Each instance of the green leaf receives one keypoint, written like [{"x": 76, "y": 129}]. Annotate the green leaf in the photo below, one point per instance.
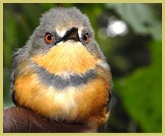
[{"x": 142, "y": 92}]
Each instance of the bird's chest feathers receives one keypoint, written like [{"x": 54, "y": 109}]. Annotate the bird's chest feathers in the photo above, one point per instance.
[
  {"x": 71, "y": 103},
  {"x": 45, "y": 99},
  {"x": 70, "y": 56},
  {"x": 73, "y": 100}
]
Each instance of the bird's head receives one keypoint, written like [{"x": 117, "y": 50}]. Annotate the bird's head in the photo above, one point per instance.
[{"x": 64, "y": 41}]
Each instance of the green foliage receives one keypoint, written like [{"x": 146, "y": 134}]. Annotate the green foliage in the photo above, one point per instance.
[
  {"x": 141, "y": 18},
  {"x": 141, "y": 92},
  {"x": 9, "y": 20}
]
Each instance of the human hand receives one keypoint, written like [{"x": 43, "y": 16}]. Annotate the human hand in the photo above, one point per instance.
[{"x": 23, "y": 120}]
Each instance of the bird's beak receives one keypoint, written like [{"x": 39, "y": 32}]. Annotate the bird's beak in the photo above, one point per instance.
[{"x": 71, "y": 34}]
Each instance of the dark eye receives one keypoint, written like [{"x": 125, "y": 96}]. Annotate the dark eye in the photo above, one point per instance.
[
  {"x": 85, "y": 38},
  {"x": 48, "y": 38}
]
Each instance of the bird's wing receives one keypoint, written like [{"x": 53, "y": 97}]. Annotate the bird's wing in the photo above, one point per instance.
[{"x": 13, "y": 76}]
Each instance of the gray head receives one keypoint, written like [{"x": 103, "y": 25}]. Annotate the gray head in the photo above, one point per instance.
[{"x": 62, "y": 25}]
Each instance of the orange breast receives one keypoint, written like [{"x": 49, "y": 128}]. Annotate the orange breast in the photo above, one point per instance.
[{"x": 85, "y": 104}]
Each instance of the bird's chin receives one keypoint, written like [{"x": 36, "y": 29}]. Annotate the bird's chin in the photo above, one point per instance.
[{"x": 67, "y": 56}]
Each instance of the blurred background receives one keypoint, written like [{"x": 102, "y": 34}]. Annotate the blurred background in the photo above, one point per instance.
[{"x": 130, "y": 35}]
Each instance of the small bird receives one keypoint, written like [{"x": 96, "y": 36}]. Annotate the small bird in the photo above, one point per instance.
[{"x": 61, "y": 72}]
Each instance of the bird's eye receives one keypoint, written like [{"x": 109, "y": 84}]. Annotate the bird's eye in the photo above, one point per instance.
[
  {"x": 85, "y": 38},
  {"x": 48, "y": 38}
]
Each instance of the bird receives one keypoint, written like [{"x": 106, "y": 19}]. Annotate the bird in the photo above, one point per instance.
[{"x": 61, "y": 72}]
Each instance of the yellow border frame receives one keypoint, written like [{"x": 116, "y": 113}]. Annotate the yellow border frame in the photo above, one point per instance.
[{"x": 74, "y": 1}]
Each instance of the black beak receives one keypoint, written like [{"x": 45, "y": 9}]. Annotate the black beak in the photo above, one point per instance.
[{"x": 71, "y": 34}]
